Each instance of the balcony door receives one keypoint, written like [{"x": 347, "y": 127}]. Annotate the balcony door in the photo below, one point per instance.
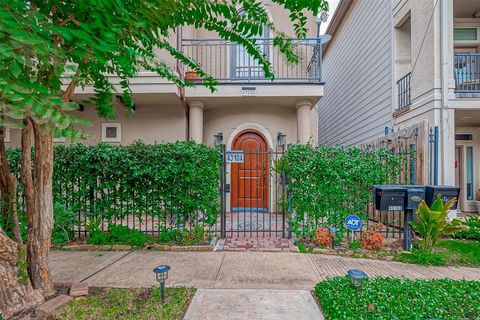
[{"x": 243, "y": 65}]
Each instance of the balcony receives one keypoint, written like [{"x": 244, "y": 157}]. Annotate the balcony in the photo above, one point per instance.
[
  {"x": 229, "y": 63},
  {"x": 404, "y": 92},
  {"x": 467, "y": 74}
]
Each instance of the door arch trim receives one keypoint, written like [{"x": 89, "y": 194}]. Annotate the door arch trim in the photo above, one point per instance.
[{"x": 250, "y": 126}]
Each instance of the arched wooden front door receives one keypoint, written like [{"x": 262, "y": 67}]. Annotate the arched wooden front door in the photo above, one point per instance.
[{"x": 250, "y": 179}]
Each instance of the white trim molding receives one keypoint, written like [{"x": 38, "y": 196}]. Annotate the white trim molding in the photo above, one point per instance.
[
  {"x": 252, "y": 126},
  {"x": 118, "y": 130}
]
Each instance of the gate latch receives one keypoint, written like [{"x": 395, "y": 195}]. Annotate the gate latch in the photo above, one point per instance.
[{"x": 227, "y": 187}]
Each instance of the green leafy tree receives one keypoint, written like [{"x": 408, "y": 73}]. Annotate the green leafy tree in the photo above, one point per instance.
[
  {"x": 49, "y": 48},
  {"x": 432, "y": 223}
]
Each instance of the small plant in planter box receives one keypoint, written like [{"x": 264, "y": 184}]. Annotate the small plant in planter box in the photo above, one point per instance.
[{"x": 373, "y": 239}]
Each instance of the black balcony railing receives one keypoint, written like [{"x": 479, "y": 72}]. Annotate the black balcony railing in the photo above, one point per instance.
[
  {"x": 467, "y": 72},
  {"x": 230, "y": 63},
  {"x": 404, "y": 92}
]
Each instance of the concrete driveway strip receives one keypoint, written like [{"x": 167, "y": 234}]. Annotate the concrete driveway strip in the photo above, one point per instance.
[
  {"x": 267, "y": 270},
  {"x": 190, "y": 269},
  {"x": 233, "y": 304},
  {"x": 71, "y": 267}
]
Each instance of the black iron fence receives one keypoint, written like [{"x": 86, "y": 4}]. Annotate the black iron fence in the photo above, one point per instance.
[
  {"x": 404, "y": 92},
  {"x": 467, "y": 72},
  {"x": 228, "y": 62}
]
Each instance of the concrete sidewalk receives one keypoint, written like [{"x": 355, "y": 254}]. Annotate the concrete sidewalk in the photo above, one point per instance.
[{"x": 228, "y": 270}]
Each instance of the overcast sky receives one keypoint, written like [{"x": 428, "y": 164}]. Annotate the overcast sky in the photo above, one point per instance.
[{"x": 333, "y": 5}]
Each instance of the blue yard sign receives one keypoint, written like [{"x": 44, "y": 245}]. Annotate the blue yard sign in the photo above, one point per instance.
[{"x": 353, "y": 222}]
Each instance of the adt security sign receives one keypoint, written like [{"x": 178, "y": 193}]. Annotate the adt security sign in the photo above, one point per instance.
[{"x": 353, "y": 222}]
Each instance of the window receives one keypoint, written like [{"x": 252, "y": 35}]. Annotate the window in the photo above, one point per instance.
[
  {"x": 111, "y": 132},
  {"x": 465, "y": 34},
  {"x": 463, "y": 137},
  {"x": 469, "y": 175}
]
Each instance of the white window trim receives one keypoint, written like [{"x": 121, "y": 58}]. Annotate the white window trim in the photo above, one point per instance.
[
  {"x": 464, "y": 25},
  {"x": 117, "y": 125}
]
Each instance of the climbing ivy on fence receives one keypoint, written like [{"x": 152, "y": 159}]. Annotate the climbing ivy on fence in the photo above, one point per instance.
[
  {"x": 327, "y": 183},
  {"x": 176, "y": 181}
]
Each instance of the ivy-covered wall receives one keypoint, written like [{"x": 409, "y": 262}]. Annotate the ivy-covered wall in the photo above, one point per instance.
[
  {"x": 327, "y": 183},
  {"x": 109, "y": 182}
]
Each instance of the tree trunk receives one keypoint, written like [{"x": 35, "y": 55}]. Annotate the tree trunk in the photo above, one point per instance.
[
  {"x": 37, "y": 186},
  {"x": 14, "y": 296},
  {"x": 8, "y": 189}
]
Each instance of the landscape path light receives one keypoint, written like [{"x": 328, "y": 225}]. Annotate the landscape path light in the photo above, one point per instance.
[
  {"x": 161, "y": 274},
  {"x": 356, "y": 277}
]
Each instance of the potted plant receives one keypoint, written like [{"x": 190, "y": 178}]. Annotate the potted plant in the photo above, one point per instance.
[
  {"x": 191, "y": 75},
  {"x": 477, "y": 200}
]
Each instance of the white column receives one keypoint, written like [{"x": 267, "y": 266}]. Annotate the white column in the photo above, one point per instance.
[
  {"x": 195, "y": 124},
  {"x": 304, "y": 133}
]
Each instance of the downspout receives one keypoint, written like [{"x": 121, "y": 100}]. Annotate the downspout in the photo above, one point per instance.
[
  {"x": 181, "y": 89},
  {"x": 444, "y": 56}
]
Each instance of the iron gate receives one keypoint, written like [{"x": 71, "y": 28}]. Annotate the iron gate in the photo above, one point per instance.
[{"x": 253, "y": 194}]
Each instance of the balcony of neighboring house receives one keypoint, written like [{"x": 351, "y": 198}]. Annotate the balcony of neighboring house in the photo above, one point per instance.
[
  {"x": 466, "y": 59},
  {"x": 404, "y": 93},
  {"x": 239, "y": 75}
]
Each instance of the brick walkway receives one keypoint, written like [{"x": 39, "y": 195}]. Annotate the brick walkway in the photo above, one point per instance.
[{"x": 256, "y": 245}]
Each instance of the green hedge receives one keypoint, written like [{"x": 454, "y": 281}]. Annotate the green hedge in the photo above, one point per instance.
[
  {"x": 389, "y": 298},
  {"x": 110, "y": 181},
  {"x": 327, "y": 183}
]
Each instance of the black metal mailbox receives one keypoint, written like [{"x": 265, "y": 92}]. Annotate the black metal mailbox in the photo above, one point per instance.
[
  {"x": 389, "y": 198},
  {"x": 446, "y": 192},
  {"x": 414, "y": 195}
]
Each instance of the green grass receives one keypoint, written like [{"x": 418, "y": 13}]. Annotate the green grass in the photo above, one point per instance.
[
  {"x": 389, "y": 298},
  {"x": 110, "y": 304},
  {"x": 447, "y": 252}
]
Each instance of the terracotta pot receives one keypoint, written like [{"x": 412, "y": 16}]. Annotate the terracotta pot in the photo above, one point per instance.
[{"x": 191, "y": 75}]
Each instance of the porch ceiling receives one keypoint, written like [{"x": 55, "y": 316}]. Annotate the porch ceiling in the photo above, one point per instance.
[
  {"x": 466, "y": 8},
  {"x": 467, "y": 118}
]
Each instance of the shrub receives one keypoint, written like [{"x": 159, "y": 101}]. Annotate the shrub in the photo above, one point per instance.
[
  {"x": 354, "y": 245},
  {"x": 109, "y": 182},
  {"x": 373, "y": 240},
  {"x": 64, "y": 220},
  {"x": 472, "y": 232},
  {"x": 389, "y": 298},
  {"x": 327, "y": 183},
  {"x": 323, "y": 238},
  {"x": 116, "y": 234},
  {"x": 432, "y": 224}
]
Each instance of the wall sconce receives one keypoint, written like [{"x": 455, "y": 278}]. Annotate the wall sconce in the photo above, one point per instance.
[
  {"x": 281, "y": 140},
  {"x": 218, "y": 139}
]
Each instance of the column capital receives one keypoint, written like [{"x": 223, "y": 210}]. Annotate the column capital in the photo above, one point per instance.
[
  {"x": 196, "y": 104},
  {"x": 304, "y": 102}
]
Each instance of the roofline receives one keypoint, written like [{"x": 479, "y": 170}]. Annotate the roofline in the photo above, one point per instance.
[{"x": 336, "y": 21}]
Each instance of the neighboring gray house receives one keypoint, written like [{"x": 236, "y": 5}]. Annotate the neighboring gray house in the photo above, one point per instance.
[
  {"x": 357, "y": 105},
  {"x": 398, "y": 64}
]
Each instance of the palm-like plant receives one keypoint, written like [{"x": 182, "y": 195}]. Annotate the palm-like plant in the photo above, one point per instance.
[{"x": 432, "y": 224}]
